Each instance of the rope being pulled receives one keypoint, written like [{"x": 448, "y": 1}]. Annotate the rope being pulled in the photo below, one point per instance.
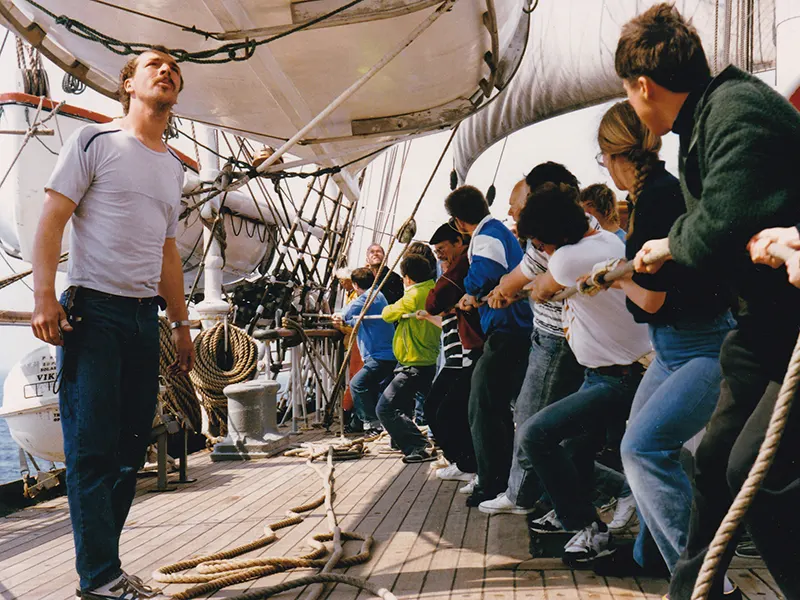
[
  {"x": 209, "y": 378},
  {"x": 215, "y": 571},
  {"x": 759, "y": 470}
]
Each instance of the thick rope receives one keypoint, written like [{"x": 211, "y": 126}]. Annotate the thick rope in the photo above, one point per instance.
[
  {"x": 210, "y": 379},
  {"x": 216, "y": 571},
  {"x": 759, "y": 470},
  {"x": 180, "y": 397}
]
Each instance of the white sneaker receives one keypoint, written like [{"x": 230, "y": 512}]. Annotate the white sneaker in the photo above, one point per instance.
[
  {"x": 502, "y": 504},
  {"x": 470, "y": 487},
  {"x": 625, "y": 517},
  {"x": 453, "y": 473},
  {"x": 586, "y": 545}
]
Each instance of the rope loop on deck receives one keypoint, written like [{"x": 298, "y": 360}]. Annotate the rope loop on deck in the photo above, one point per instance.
[{"x": 216, "y": 571}]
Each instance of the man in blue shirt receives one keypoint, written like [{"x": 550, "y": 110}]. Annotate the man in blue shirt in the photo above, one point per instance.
[
  {"x": 375, "y": 344},
  {"x": 496, "y": 380}
]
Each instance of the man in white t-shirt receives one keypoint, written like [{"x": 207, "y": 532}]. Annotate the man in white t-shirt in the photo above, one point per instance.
[
  {"x": 120, "y": 186},
  {"x": 608, "y": 342}
]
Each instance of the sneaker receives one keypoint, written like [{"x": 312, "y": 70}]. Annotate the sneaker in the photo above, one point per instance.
[
  {"x": 470, "y": 487},
  {"x": 419, "y": 455},
  {"x": 124, "y": 587},
  {"x": 502, "y": 504},
  {"x": 625, "y": 517},
  {"x": 548, "y": 524},
  {"x": 589, "y": 543},
  {"x": 453, "y": 473}
]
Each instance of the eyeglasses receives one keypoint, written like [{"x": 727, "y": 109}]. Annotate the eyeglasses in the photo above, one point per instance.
[{"x": 600, "y": 159}]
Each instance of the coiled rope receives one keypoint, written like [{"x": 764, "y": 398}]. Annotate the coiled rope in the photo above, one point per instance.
[
  {"x": 180, "y": 397},
  {"x": 209, "y": 378},
  {"x": 215, "y": 571}
]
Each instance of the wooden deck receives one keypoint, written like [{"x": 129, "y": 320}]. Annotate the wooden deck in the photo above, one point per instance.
[{"x": 429, "y": 545}]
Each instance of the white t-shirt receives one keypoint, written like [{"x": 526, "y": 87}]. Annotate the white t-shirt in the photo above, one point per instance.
[
  {"x": 599, "y": 329},
  {"x": 547, "y": 316},
  {"x": 128, "y": 200}
]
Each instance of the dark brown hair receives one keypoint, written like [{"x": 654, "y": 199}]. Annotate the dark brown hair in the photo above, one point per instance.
[
  {"x": 416, "y": 267},
  {"x": 663, "y": 46},
  {"x": 468, "y": 204},
  {"x": 129, "y": 70},
  {"x": 362, "y": 277},
  {"x": 552, "y": 215}
]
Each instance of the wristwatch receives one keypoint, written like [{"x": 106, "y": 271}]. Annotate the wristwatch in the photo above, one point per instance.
[{"x": 176, "y": 324}]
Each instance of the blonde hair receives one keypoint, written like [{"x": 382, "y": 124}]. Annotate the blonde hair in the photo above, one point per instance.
[
  {"x": 600, "y": 197},
  {"x": 621, "y": 132}
]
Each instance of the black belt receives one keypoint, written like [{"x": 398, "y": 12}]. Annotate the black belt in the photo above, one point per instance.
[
  {"x": 620, "y": 370},
  {"x": 148, "y": 301}
]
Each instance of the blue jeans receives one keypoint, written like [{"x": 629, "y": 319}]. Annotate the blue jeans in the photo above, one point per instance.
[
  {"x": 107, "y": 401},
  {"x": 673, "y": 403},
  {"x": 583, "y": 418},
  {"x": 366, "y": 387},
  {"x": 552, "y": 374},
  {"x": 397, "y": 403}
]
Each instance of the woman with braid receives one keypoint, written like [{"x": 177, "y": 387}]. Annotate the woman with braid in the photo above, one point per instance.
[{"x": 688, "y": 318}]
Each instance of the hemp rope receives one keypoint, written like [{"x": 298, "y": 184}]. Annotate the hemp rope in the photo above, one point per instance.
[
  {"x": 759, "y": 470},
  {"x": 215, "y": 571},
  {"x": 210, "y": 379},
  {"x": 180, "y": 396}
]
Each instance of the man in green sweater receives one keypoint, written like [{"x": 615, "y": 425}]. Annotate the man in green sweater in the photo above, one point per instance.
[
  {"x": 416, "y": 347},
  {"x": 739, "y": 154}
]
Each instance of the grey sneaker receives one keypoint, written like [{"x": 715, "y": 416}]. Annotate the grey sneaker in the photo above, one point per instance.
[{"x": 586, "y": 545}]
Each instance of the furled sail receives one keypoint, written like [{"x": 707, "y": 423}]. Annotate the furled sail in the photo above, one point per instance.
[{"x": 569, "y": 60}]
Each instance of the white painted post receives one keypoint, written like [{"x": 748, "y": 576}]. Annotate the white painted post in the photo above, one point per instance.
[{"x": 213, "y": 308}]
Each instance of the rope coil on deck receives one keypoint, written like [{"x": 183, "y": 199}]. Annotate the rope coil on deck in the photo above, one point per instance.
[
  {"x": 216, "y": 571},
  {"x": 210, "y": 379}
]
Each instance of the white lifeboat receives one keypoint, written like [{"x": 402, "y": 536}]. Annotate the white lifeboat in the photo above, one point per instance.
[{"x": 30, "y": 405}]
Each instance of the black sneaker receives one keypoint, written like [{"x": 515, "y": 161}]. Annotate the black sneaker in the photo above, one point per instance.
[
  {"x": 479, "y": 495},
  {"x": 622, "y": 564},
  {"x": 419, "y": 455}
]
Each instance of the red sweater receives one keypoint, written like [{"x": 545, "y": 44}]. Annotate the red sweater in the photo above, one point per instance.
[{"x": 445, "y": 295}]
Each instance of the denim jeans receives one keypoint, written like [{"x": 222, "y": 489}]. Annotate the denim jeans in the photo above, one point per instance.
[
  {"x": 583, "y": 418},
  {"x": 446, "y": 410},
  {"x": 496, "y": 382},
  {"x": 753, "y": 360},
  {"x": 673, "y": 403},
  {"x": 552, "y": 374},
  {"x": 397, "y": 403},
  {"x": 107, "y": 401},
  {"x": 366, "y": 387}
]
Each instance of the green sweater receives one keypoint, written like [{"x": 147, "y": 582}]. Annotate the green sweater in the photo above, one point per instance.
[
  {"x": 416, "y": 342},
  {"x": 739, "y": 164}
]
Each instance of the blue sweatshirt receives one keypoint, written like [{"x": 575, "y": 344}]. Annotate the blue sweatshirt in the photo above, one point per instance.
[
  {"x": 494, "y": 252},
  {"x": 375, "y": 335}
]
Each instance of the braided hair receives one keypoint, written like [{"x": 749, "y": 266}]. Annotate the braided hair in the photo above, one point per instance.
[{"x": 621, "y": 132}]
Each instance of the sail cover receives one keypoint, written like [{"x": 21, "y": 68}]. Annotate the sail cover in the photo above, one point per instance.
[{"x": 569, "y": 61}]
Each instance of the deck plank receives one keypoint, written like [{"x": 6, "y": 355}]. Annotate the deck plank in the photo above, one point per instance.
[{"x": 429, "y": 545}]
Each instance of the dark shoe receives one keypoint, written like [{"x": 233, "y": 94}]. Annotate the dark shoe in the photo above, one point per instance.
[
  {"x": 127, "y": 587},
  {"x": 375, "y": 431},
  {"x": 479, "y": 495},
  {"x": 622, "y": 564},
  {"x": 419, "y": 455}
]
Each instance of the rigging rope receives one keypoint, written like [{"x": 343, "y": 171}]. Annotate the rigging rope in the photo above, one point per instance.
[
  {"x": 230, "y": 52},
  {"x": 216, "y": 571},
  {"x": 7, "y": 281},
  {"x": 376, "y": 287},
  {"x": 209, "y": 378}
]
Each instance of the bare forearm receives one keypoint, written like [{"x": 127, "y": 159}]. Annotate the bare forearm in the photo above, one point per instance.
[
  {"x": 47, "y": 243},
  {"x": 171, "y": 286},
  {"x": 513, "y": 282},
  {"x": 647, "y": 300}
]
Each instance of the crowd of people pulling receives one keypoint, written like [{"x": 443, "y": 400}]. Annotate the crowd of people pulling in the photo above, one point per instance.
[{"x": 550, "y": 407}]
